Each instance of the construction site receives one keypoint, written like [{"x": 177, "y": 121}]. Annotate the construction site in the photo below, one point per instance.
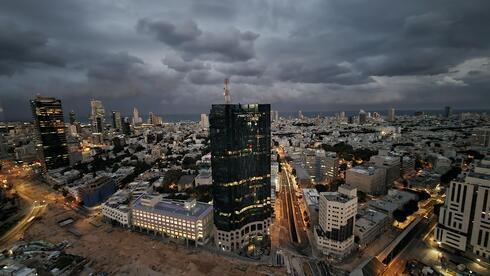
[{"x": 117, "y": 251}]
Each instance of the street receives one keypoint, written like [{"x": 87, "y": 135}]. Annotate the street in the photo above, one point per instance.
[{"x": 36, "y": 195}]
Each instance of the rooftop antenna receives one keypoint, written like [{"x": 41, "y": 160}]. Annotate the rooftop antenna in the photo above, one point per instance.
[{"x": 227, "y": 92}]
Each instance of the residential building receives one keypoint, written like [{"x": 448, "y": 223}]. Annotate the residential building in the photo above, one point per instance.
[
  {"x": 50, "y": 126},
  {"x": 188, "y": 220},
  {"x": 337, "y": 215},
  {"x": 241, "y": 168}
]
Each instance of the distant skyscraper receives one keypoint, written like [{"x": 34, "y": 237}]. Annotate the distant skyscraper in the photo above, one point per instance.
[
  {"x": 71, "y": 117},
  {"x": 351, "y": 120},
  {"x": 126, "y": 126},
  {"x": 275, "y": 115},
  {"x": 204, "y": 123},
  {"x": 2, "y": 112},
  {"x": 116, "y": 120},
  {"x": 154, "y": 119},
  {"x": 391, "y": 115},
  {"x": 50, "y": 126},
  {"x": 241, "y": 167},
  {"x": 136, "y": 117},
  {"x": 448, "y": 111},
  {"x": 362, "y": 117},
  {"x": 300, "y": 115},
  {"x": 97, "y": 116}
]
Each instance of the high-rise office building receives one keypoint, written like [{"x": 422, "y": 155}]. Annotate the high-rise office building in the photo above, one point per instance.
[
  {"x": 154, "y": 119},
  {"x": 49, "y": 122},
  {"x": 300, "y": 115},
  {"x": 275, "y": 115},
  {"x": 391, "y": 115},
  {"x": 136, "y": 117},
  {"x": 126, "y": 126},
  {"x": 116, "y": 120},
  {"x": 71, "y": 117},
  {"x": 337, "y": 214},
  {"x": 464, "y": 219},
  {"x": 448, "y": 111},
  {"x": 97, "y": 116},
  {"x": 362, "y": 117},
  {"x": 241, "y": 170}
]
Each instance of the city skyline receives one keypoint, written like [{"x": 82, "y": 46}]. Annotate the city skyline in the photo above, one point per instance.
[{"x": 172, "y": 58}]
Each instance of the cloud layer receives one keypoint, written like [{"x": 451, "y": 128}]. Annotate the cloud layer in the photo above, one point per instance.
[{"x": 172, "y": 57}]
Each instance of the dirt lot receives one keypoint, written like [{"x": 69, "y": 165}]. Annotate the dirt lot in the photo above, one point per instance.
[{"x": 121, "y": 252}]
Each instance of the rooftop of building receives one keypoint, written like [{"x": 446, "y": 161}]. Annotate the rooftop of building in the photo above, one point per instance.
[
  {"x": 186, "y": 179},
  {"x": 364, "y": 170},
  {"x": 204, "y": 174},
  {"x": 479, "y": 175},
  {"x": 311, "y": 196},
  {"x": 336, "y": 196},
  {"x": 97, "y": 183},
  {"x": 175, "y": 208},
  {"x": 371, "y": 215}
]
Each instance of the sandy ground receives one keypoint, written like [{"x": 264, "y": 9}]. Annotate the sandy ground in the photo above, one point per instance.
[{"x": 121, "y": 252}]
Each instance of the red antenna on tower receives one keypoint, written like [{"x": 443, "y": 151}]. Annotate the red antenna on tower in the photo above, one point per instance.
[{"x": 227, "y": 92}]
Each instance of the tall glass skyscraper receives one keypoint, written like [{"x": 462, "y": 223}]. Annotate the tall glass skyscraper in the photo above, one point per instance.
[
  {"x": 50, "y": 126},
  {"x": 241, "y": 169}
]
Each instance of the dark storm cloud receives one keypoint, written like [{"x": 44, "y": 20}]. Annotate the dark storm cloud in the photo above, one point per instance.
[
  {"x": 20, "y": 49},
  {"x": 168, "y": 56},
  {"x": 251, "y": 68},
  {"x": 329, "y": 73},
  {"x": 229, "y": 45},
  {"x": 176, "y": 63},
  {"x": 205, "y": 77},
  {"x": 117, "y": 67}
]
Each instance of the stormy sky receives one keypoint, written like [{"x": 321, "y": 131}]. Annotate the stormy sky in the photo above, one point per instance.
[{"x": 316, "y": 55}]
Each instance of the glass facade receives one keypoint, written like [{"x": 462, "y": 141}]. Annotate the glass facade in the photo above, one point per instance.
[
  {"x": 50, "y": 125},
  {"x": 241, "y": 164}
]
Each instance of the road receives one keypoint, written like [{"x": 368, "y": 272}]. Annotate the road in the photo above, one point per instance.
[
  {"x": 292, "y": 218},
  {"x": 292, "y": 234},
  {"x": 36, "y": 195},
  {"x": 13, "y": 235}
]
